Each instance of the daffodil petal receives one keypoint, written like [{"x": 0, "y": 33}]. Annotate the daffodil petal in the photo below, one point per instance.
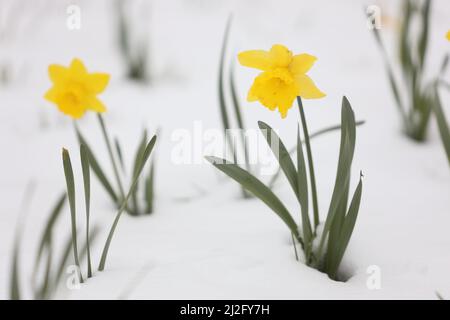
[
  {"x": 307, "y": 88},
  {"x": 96, "y": 105},
  {"x": 280, "y": 56},
  {"x": 448, "y": 35},
  {"x": 97, "y": 82},
  {"x": 301, "y": 63},
  {"x": 258, "y": 59}
]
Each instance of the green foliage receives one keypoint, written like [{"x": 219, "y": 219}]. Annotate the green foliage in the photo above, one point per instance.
[
  {"x": 49, "y": 264},
  {"x": 413, "y": 103},
  {"x": 143, "y": 155}
]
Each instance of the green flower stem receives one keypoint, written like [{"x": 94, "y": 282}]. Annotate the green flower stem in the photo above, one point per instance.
[
  {"x": 310, "y": 164},
  {"x": 111, "y": 156}
]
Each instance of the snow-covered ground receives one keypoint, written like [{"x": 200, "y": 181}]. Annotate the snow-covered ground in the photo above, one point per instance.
[{"x": 204, "y": 241}]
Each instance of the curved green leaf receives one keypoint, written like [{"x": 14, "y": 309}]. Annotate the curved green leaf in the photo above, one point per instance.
[
  {"x": 443, "y": 126},
  {"x": 98, "y": 171},
  {"x": 347, "y": 148},
  {"x": 346, "y": 232}
]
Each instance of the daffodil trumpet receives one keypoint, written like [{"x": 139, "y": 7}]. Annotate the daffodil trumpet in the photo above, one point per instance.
[{"x": 412, "y": 92}]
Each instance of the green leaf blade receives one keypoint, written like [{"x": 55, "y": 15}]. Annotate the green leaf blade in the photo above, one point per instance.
[
  {"x": 256, "y": 187},
  {"x": 96, "y": 168},
  {"x": 281, "y": 154},
  {"x": 70, "y": 183},
  {"x": 346, "y": 231}
]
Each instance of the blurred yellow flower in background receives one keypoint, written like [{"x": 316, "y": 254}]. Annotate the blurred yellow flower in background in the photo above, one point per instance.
[
  {"x": 448, "y": 35},
  {"x": 75, "y": 90},
  {"x": 283, "y": 77}
]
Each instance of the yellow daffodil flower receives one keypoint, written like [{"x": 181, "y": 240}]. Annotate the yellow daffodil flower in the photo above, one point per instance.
[
  {"x": 448, "y": 35},
  {"x": 283, "y": 77},
  {"x": 75, "y": 90}
]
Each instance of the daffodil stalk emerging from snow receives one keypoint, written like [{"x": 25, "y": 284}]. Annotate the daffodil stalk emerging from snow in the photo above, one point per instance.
[
  {"x": 74, "y": 90},
  {"x": 282, "y": 80}
]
